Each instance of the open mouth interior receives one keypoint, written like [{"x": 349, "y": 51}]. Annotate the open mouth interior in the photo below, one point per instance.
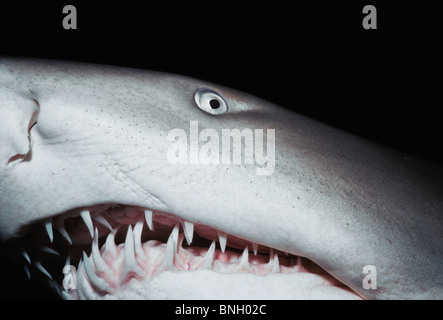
[{"x": 112, "y": 245}]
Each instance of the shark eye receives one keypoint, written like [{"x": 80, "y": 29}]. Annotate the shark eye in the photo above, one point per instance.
[{"x": 211, "y": 102}]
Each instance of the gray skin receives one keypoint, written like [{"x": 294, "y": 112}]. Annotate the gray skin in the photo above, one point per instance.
[{"x": 337, "y": 199}]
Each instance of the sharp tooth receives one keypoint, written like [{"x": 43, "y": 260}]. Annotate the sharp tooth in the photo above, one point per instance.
[
  {"x": 174, "y": 234},
  {"x": 110, "y": 246},
  {"x": 244, "y": 259},
  {"x": 48, "y": 227},
  {"x": 255, "y": 248},
  {"x": 39, "y": 266},
  {"x": 102, "y": 220},
  {"x": 96, "y": 281},
  {"x": 28, "y": 274},
  {"x": 168, "y": 260},
  {"x": 188, "y": 229},
  {"x": 60, "y": 225},
  {"x": 222, "y": 238},
  {"x": 54, "y": 285},
  {"x": 131, "y": 265},
  {"x": 100, "y": 263},
  {"x": 273, "y": 264},
  {"x": 68, "y": 260},
  {"x": 83, "y": 284},
  {"x": 299, "y": 266},
  {"x": 25, "y": 254},
  {"x": 209, "y": 258},
  {"x": 148, "y": 218},
  {"x": 86, "y": 216},
  {"x": 49, "y": 250},
  {"x": 273, "y": 261},
  {"x": 180, "y": 241},
  {"x": 138, "y": 229},
  {"x": 85, "y": 290},
  {"x": 129, "y": 246}
]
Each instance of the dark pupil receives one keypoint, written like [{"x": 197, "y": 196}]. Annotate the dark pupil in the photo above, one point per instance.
[{"x": 214, "y": 103}]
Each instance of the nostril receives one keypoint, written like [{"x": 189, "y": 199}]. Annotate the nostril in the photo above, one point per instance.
[
  {"x": 36, "y": 102},
  {"x": 27, "y": 156},
  {"x": 32, "y": 123},
  {"x": 18, "y": 157}
]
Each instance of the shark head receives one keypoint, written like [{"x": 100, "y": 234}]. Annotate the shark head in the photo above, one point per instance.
[{"x": 142, "y": 184}]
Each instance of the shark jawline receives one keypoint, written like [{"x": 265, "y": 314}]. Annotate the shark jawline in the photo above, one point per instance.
[{"x": 112, "y": 245}]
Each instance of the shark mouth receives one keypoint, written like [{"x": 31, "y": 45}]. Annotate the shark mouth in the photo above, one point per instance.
[{"x": 107, "y": 251}]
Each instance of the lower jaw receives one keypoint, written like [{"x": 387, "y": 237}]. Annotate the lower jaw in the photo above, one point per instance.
[{"x": 118, "y": 252}]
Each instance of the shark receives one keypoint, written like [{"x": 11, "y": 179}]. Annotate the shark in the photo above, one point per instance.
[{"x": 102, "y": 195}]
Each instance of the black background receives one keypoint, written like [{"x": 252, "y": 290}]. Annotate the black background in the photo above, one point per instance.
[{"x": 314, "y": 58}]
